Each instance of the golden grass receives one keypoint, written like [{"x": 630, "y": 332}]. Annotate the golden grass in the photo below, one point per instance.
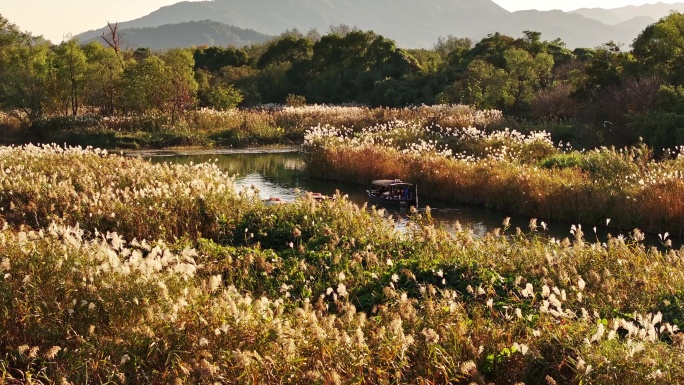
[
  {"x": 305, "y": 292},
  {"x": 516, "y": 173}
]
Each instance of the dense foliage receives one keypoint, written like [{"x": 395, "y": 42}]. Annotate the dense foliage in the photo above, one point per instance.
[{"x": 603, "y": 95}]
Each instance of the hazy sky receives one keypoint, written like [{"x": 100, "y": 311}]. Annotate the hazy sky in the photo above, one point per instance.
[{"x": 55, "y": 19}]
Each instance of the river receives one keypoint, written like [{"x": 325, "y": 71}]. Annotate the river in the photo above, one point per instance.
[{"x": 282, "y": 173}]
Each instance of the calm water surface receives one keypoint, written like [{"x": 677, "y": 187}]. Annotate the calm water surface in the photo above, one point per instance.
[{"x": 281, "y": 173}]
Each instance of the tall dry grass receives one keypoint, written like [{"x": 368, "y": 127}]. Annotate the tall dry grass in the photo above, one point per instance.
[
  {"x": 306, "y": 292},
  {"x": 267, "y": 125},
  {"x": 525, "y": 174}
]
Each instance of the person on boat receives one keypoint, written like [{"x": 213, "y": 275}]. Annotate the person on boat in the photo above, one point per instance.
[{"x": 407, "y": 193}]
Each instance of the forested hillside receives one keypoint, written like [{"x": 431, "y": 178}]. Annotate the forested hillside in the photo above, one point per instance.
[
  {"x": 592, "y": 96},
  {"x": 187, "y": 34}
]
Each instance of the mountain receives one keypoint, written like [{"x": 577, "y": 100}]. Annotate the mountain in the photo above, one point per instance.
[
  {"x": 186, "y": 34},
  {"x": 411, "y": 23},
  {"x": 575, "y": 30},
  {"x": 620, "y": 15},
  {"x": 638, "y": 23}
]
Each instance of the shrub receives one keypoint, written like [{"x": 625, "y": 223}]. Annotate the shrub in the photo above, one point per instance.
[
  {"x": 295, "y": 100},
  {"x": 661, "y": 130}
]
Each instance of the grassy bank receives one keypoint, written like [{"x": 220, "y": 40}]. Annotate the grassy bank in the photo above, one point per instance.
[
  {"x": 525, "y": 174},
  {"x": 276, "y": 125},
  {"x": 116, "y": 270}
]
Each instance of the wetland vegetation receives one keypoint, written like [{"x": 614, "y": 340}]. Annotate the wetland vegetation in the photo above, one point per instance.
[{"x": 118, "y": 270}]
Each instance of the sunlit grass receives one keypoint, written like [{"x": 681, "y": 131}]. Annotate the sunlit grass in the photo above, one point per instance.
[
  {"x": 178, "y": 278},
  {"x": 266, "y": 125},
  {"x": 525, "y": 174}
]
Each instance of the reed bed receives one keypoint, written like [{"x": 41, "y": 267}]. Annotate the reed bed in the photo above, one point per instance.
[
  {"x": 525, "y": 174},
  {"x": 267, "y": 125},
  {"x": 99, "y": 190},
  {"x": 200, "y": 283},
  {"x": 298, "y": 119}
]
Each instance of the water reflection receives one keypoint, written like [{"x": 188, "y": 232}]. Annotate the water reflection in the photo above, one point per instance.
[{"x": 281, "y": 174}]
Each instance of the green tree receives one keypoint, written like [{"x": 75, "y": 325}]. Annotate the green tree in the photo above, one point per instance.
[
  {"x": 244, "y": 80},
  {"x": 604, "y": 67},
  {"x": 671, "y": 99},
  {"x": 533, "y": 43},
  {"x": 214, "y": 58},
  {"x": 428, "y": 60},
  {"x": 213, "y": 92},
  {"x": 10, "y": 36},
  {"x": 392, "y": 93},
  {"x": 273, "y": 83},
  {"x": 103, "y": 78},
  {"x": 525, "y": 74},
  {"x": 288, "y": 49},
  {"x": 285, "y": 67},
  {"x": 71, "y": 65},
  {"x": 659, "y": 48},
  {"x": 27, "y": 81},
  {"x": 663, "y": 126},
  {"x": 347, "y": 67},
  {"x": 179, "y": 81},
  {"x": 142, "y": 85},
  {"x": 482, "y": 85},
  {"x": 165, "y": 83},
  {"x": 490, "y": 49},
  {"x": 450, "y": 45},
  {"x": 20, "y": 92},
  {"x": 140, "y": 53},
  {"x": 561, "y": 55}
]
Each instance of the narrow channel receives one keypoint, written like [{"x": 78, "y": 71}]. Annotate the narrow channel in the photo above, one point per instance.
[{"x": 281, "y": 174}]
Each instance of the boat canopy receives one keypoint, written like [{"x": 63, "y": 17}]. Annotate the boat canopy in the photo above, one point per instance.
[{"x": 390, "y": 183}]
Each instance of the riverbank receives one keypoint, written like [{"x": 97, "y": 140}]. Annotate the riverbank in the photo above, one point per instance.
[
  {"x": 185, "y": 151},
  {"x": 455, "y": 153},
  {"x": 235, "y": 128},
  {"x": 524, "y": 174},
  {"x": 116, "y": 269}
]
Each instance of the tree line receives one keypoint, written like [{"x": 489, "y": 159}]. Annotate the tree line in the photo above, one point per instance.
[{"x": 622, "y": 94}]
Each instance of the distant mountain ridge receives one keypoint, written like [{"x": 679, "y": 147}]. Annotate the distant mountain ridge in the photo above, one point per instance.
[
  {"x": 623, "y": 14},
  {"x": 411, "y": 23},
  {"x": 187, "y": 34}
]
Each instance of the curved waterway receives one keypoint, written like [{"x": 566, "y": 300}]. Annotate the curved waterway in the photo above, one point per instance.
[{"x": 281, "y": 174}]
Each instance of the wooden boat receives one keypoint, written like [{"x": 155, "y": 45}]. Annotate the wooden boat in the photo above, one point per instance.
[{"x": 394, "y": 192}]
